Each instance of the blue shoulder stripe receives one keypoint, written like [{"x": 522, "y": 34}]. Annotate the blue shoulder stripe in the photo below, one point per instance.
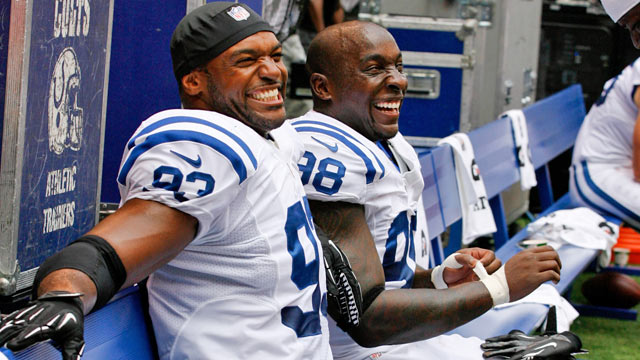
[
  {"x": 183, "y": 135},
  {"x": 312, "y": 122},
  {"x": 388, "y": 153},
  {"x": 371, "y": 170},
  {"x": 188, "y": 119}
]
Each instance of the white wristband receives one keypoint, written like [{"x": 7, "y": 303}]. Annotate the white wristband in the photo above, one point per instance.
[
  {"x": 437, "y": 274},
  {"x": 437, "y": 279},
  {"x": 496, "y": 283}
]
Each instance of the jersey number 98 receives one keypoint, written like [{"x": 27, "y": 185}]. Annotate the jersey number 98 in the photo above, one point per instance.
[{"x": 328, "y": 168}]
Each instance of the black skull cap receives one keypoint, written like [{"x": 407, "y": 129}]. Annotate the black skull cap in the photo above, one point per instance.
[{"x": 208, "y": 31}]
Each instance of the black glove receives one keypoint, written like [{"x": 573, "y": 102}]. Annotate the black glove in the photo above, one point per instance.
[
  {"x": 343, "y": 288},
  {"x": 520, "y": 346},
  {"x": 55, "y": 315}
]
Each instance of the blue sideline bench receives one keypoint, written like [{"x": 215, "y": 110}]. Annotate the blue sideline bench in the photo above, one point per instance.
[{"x": 553, "y": 124}]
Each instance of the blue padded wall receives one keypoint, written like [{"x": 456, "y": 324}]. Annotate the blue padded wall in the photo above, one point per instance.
[{"x": 141, "y": 80}]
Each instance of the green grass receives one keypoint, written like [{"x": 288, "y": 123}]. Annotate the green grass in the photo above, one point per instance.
[{"x": 607, "y": 339}]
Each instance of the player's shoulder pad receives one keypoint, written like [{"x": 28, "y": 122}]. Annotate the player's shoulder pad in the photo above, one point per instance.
[
  {"x": 325, "y": 137},
  {"x": 207, "y": 130}
]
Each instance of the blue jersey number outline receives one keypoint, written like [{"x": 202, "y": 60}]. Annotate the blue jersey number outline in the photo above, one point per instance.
[
  {"x": 303, "y": 274},
  {"x": 176, "y": 181},
  {"x": 323, "y": 172},
  {"x": 403, "y": 224}
]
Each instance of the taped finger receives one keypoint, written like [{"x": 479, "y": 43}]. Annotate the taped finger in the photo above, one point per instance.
[
  {"x": 464, "y": 259},
  {"x": 452, "y": 261}
]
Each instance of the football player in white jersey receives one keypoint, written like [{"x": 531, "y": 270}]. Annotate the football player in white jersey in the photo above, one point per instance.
[
  {"x": 605, "y": 174},
  {"x": 627, "y": 14},
  {"x": 212, "y": 207},
  {"x": 605, "y": 171},
  {"x": 363, "y": 181}
]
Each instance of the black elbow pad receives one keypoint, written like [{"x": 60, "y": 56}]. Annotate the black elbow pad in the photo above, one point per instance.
[{"x": 93, "y": 256}]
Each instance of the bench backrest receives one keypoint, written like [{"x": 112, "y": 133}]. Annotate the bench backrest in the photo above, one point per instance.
[{"x": 553, "y": 124}]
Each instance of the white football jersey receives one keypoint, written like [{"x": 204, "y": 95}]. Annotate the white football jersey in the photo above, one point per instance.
[
  {"x": 339, "y": 164},
  {"x": 251, "y": 284},
  {"x": 607, "y": 131}
]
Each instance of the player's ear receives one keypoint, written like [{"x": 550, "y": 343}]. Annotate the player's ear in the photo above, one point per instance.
[
  {"x": 320, "y": 86},
  {"x": 193, "y": 83}
]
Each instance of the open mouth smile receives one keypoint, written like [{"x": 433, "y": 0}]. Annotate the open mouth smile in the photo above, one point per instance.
[
  {"x": 266, "y": 96},
  {"x": 390, "y": 107}
]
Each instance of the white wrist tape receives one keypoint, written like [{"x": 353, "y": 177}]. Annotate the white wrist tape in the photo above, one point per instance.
[
  {"x": 437, "y": 274},
  {"x": 496, "y": 283}
]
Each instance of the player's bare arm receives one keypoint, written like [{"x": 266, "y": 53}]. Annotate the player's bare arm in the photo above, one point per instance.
[
  {"x": 395, "y": 316},
  {"x": 145, "y": 235},
  {"x": 408, "y": 315},
  {"x": 422, "y": 278}
]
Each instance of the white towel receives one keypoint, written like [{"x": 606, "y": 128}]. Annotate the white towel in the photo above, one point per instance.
[
  {"x": 548, "y": 295},
  {"x": 477, "y": 217},
  {"x": 579, "y": 227},
  {"x": 523, "y": 151}
]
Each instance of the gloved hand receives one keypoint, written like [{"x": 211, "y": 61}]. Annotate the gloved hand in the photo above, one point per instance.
[
  {"x": 343, "y": 288},
  {"x": 520, "y": 346},
  {"x": 55, "y": 315}
]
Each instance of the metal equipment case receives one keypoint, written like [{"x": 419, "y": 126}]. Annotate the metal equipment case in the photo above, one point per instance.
[
  {"x": 484, "y": 60},
  {"x": 463, "y": 73},
  {"x": 54, "y": 111}
]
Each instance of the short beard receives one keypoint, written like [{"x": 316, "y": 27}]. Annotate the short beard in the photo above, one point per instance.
[{"x": 239, "y": 112}]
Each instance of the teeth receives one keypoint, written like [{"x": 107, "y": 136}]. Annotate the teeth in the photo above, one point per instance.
[
  {"x": 389, "y": 105},
  {"x": 268, "y": 95}
]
